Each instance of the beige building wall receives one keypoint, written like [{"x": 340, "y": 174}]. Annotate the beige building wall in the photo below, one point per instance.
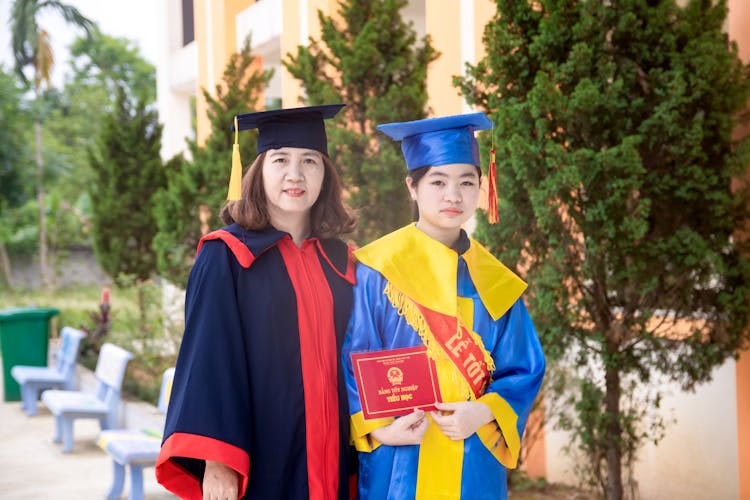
[
  {"x": 456, "y": 28},
  {"x": 743, "y": 424},
  {"x": 738, "y": 27},
  {"x": 296, "y": 32},
  {"x": 176, "y": 72},
  {"x": 215, "y": 35},
  {"x": 696, "y": 460},
  {"x": 443, "y": 22}
]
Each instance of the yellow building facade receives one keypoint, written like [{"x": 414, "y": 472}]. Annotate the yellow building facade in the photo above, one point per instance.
[{"x": 278, "y": 27}]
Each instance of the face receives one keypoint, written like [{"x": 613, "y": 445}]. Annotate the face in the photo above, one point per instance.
[
  {"x": 446, "y": 197},
  {"x": 292, "y": 179}
]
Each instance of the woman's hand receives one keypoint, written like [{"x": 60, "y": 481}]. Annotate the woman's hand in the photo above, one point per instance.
[
  {"x": 461, "y": 420},
  {"x": 219, "y": 482},
  {"x": 408, "y": 429}
]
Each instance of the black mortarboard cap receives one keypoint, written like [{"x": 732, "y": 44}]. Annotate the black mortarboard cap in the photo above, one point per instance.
[
  {"x": 294, "y": 128},
  {"x": 279, "y": 128}
]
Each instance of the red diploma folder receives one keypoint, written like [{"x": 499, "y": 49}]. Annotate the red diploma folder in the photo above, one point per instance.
[{"x": 395, "y": 382}]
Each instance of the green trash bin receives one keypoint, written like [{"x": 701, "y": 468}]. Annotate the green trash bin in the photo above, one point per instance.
[{"x": 24, "y": 336}]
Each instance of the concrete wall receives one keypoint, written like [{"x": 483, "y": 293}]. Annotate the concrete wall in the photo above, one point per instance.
[
  {"x": 696, "y": 460},
  {"x": 77, "y": 266},
  {"x": 698, "y": 457}
]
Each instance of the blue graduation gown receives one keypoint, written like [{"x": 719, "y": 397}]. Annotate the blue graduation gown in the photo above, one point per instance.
[
  {"x": 247, "y": 392},
  {"x": 410, "y": 261}
]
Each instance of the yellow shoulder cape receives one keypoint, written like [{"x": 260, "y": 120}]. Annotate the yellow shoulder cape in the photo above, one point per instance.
[{"x": 425, "y": 270}]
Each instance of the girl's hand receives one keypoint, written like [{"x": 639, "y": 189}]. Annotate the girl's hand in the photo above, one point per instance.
[
  {"x": 460, "y": 420},
  {"x": 408, "y": 429},
  {"x": 219, "y": 482}
]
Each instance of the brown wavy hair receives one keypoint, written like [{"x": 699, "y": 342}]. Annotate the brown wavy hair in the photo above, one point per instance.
[{"x": 330, "y": 216}]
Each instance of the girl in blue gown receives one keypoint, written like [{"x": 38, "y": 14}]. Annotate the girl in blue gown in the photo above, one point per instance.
[{"x": 429, "y": 284}]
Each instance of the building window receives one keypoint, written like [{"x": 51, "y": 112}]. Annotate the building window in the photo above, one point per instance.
[{"x": 188, "y": 23}]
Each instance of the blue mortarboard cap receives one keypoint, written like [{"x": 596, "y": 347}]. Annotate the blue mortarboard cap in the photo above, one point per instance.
[
  {"x": 439, "y": 141},
  {"x": 294, "y": 127}
]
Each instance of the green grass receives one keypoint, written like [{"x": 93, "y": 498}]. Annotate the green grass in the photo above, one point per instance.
[{"x": 141, "y": 334}]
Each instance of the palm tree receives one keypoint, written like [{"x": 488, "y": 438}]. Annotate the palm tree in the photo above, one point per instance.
[{"x": 32, "y": 49}]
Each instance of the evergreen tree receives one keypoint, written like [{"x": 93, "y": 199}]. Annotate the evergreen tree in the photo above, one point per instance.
[
  {"x": 16, "y": 186},
  {"x": 15, "y": 155},
  {"x": 99, "y": 66},
  {"x": 197, "y": 188},
  {"x": 381, "y": 79},
  {"x": 613, "y": 128},
  {"x": 127, "y": 172}
]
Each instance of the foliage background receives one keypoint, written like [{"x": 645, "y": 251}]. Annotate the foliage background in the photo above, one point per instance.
[{"x": 621, "y": 194}]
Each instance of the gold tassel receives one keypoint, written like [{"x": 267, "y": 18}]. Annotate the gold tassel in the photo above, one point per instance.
[
  {"x": 487, "y": 356},
  {"x": 235, "y": 179},
  {"x": 410, "y": 312}
]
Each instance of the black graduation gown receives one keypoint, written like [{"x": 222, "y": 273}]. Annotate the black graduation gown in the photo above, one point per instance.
[{"x": 258, "y": 384}]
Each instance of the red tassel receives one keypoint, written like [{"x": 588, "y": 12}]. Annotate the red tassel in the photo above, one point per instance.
[{"x": 492, "y": 215}]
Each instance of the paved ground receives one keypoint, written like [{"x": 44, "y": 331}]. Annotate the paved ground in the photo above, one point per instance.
[{"x": 33, "y": 467}]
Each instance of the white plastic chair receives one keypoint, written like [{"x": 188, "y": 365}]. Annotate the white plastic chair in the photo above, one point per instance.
[
  {"x": 103, "y": 405},
  {"x": 35, "y": 379},
  {"x": 135, "y": 449}
]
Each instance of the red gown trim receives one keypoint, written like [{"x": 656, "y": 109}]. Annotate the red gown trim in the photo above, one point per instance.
[
  {"x": 182, "y": 483},
  {"x": 243, "y": 254},
  {"x": 319, "y": 365}
]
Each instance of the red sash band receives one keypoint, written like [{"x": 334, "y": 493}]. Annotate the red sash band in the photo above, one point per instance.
[{"x": 460, "y": 346}]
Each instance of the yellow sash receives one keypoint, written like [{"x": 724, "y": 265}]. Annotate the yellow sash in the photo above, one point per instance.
[
  {"x": 425, "y": 270},
  {"x": 422, "y": 270}
]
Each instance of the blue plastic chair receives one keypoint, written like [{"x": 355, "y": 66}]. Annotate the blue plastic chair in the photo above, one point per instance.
[
  {"x": 135, "y": 449},
  {"x": 104, "y": 405},
  {"x": 35, "y": 379}
]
